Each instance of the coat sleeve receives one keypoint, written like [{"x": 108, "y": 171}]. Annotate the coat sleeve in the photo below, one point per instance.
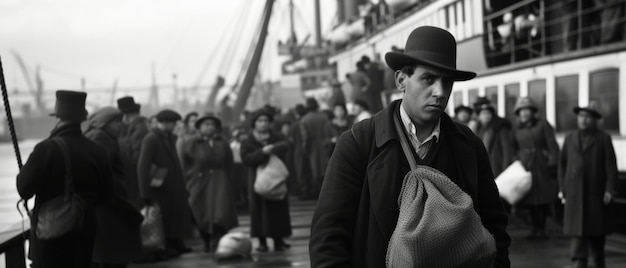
[
  {"x": 506, "y": 137},
  {"x": 490, "y": 208},
  {"x": 332, "y": 227},
  {"x": 610, "y": 164},
  {"x": 251, "y": 155},
  {"x": 562, "y": 171},
  {"x": 553, "y": 147},
  {"x": 29, "y": 180},
  {"x": 146, "y": 156}
]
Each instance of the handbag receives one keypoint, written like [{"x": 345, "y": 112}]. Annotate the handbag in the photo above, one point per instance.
[
  {"x": 514, "y": 182},
  {"x": 271, "y": 179},
  {"x": 152, "y": 234},
  {"x": 63, "y": 215},
  {"x": 437, "y": 224}
]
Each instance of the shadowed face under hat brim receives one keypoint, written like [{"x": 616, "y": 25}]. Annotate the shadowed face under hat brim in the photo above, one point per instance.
[
  {"x": 592, "y": 112},
  {"x": 217, "y": 121},
  {"x": 397, "y": 61}
]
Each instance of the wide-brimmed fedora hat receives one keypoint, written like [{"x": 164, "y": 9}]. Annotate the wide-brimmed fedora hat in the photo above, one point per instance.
[
  {"x": 429, "y": 46},
  {"x": 208, "y": 116},
  {"x": 592, "y": 108},
  {"x": 127, "y": 105},
  {"x": 523, "y": 103}
]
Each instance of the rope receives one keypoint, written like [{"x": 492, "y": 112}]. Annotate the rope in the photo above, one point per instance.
[{"x": 16, "y": 148}]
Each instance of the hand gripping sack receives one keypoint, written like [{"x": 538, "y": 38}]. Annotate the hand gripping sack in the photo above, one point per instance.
[
  {"x": 271, "y": 179},
  {"x": 152, "y": 235},
  {"x": 514, "y": 182},
  {"x": 63, "y": 215}
]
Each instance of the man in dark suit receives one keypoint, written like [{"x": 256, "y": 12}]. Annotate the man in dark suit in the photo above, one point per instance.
[
  {"x": 134, "y": 129},
  {"x": 43, "y": 176},
  {"x": 358, "y": 209}
]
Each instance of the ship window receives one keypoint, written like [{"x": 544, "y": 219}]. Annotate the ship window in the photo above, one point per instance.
[
  {"x": 457, "y": 98},
  {"x": 537, "y": 92},
  {"x": 511, "y": 94},
  {"x": 566, "y": 88},
  {"x": 446, "y": 10},
  {"x": 462, "y": 11},
  {"x": 472, "y": 95},
  {"x": 604, "y": 89},
  {"x": 492, "y": 94}
]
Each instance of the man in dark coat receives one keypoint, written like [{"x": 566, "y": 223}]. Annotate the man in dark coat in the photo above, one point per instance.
[
  {"x": 117, "y": 240},
  {"x": 587, "y": 177},
  {"x": 495, "y": 132},
  {"x": 43, "y": 175},
  {"x": 358, "y": 209},
  {"x": 313, "y": 143},
  {"x": 134, "y": 129},
  {"x": 376, "y": 74},
  {"x": 158, "y": 156}
]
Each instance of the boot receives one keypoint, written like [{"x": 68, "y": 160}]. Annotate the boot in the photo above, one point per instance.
[
  {"x": 262, "y": 245},
  {"x": 280, "y": 245}
]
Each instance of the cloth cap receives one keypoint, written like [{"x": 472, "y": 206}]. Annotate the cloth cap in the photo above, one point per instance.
[
  {"x": 168, "y": 116},
  {"x": 523, "y": 103},
  {"x": 127, "y": 105},
  {"x": 70, "y": 105},
  {"x": 103, "y": 117},
  {"x": 429, "y": 46}
]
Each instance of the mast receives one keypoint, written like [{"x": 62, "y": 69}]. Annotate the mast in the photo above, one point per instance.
[
  {"x": 246, "y": 85},
  {"x": 318, "y": 27}
]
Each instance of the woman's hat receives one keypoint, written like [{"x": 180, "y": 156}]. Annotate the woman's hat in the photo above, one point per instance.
[
  {"x": 168, "y": 116},
  {"x": 260, "y": 112},
  {"x": 486, "y": 106},
  {"x": 70, "y": 105},
  {"x": 523, "y": 103},
  {"x": 127, "y": 105},
  {"x": 592, "y": 108},
  {"x": 460, "y": 108},
  {"x": 429, "y": 46},
  {"x": 208, "y": 116}
]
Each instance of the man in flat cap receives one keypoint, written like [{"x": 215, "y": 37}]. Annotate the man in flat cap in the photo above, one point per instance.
[
  {"x": 587, "y": 177},
  {"x": 134, "y": 129},
  {"x": 161, "y": 182},
  {"x": 44, "y": 174},
  {"x": 370, "y": 214}
]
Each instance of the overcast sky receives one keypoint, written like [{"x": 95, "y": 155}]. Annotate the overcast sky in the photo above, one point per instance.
[{"x": 105, "y": 40}]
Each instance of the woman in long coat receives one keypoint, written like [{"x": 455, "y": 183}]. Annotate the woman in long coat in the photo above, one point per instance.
[
  {"x": 587, "y": 177},
  {"x": 495, "y": 132},
  {"x": 269, "y": 218},
  {"x": 117, "y": 238},
  {"x": 208, "y": 159},
  {"x": 337, "y": 125},
  {"x": 535, "y": 146},
  {"x": 158, "y": 152}
]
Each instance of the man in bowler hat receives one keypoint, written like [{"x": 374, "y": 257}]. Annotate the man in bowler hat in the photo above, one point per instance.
[
  {"x": 161, "y": 182},
  {"x": 358, "y": 209},
  {"x": 44, "y": 174},
  {"x": 134, "y": 129},
  {"x": 587, "y": 177}
]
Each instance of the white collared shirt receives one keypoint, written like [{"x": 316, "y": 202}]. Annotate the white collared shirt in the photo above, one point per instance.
[{"x": 421, "y": 148}]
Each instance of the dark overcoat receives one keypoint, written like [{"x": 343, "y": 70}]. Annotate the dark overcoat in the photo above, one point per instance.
[
  {"x": 268, "y": 218},
  {"x": 130, "y": 140},
  {"x": 313, "y": 141},
  {"x": 43, "y": 175},
  {"x": 496, "y": 137},
  {"x": 586, "y": 171},
  {"x": 207, "y": 173},
  {"x": 158, "y": 150},
  {"x": 357, "y": 210},
  {"x": 535, "y": 146},
  {"x": 117, "y": 237}
]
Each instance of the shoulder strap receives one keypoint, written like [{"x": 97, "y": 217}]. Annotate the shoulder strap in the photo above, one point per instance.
[
  {"x": 405, "y": 145},
  {"x": 69, "y": 185}
]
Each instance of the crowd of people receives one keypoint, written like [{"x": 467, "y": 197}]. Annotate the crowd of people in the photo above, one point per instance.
[{"x": 199, "y": 171}]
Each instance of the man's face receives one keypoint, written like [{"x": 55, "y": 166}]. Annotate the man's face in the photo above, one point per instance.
[
  {"x": 525, "y": 115},
  {"x": 426, "y": 93},
  {"x": 586, "y": 120},
  {"x": 463, "y": 116},
  {"x": 485, "y": 116},
  {"x": 167, "y": 126}
]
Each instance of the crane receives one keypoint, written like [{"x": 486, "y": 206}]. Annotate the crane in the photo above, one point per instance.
[{"x": 37, "y": 89}]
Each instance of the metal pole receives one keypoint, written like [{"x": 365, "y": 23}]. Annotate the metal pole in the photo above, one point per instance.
[{"x": 7, "y": 109}]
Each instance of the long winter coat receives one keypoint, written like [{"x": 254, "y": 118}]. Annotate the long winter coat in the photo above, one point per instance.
[
  {"x": 207, "y": 173},
  {"x": 117, "y": 238},
  {"x": 497, "y": 139},
  {"x": 158, "y": 150},
  {"x": 130, "y": 141},
  {"x": 357, "y": 210},
  {"x": 535, "y": 146},
  {"x": 313, "y": 142},
  {"x": 43, "y": 175},
  {"x": 268, "y": 218},
  {"x": 586, "y": 171}
]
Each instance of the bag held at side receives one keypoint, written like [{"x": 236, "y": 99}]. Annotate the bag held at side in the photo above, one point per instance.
[
  {"x": 271, "y": 179},
  {"x": 514, "y": 182},
  {"x": 152, "y": 235}
]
